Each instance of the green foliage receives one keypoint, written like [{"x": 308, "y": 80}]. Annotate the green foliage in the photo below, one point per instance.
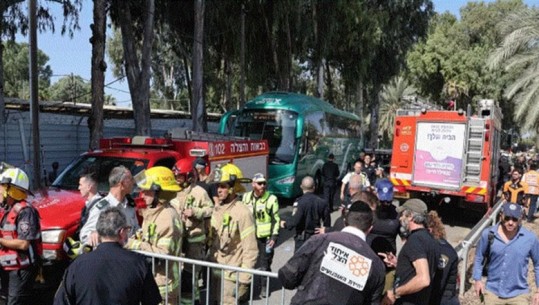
[
  {"x": 16, "y": 71},
  {"x": 71, "y": 89},
  {"x": 518, "y": 54},
  {"x": 392, "y": 98},
  {"x": 451, "y": 62}
]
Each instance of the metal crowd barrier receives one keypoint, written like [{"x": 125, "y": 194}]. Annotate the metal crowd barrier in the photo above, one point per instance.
[
  {"x": 471, "y": 239},
  {"x": 255, "y": 274}
]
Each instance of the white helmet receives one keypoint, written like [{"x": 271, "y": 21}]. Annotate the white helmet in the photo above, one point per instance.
[{"x": 18, "y": 179}]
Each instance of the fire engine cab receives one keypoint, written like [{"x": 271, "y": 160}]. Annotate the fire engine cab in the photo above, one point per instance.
[
  {"x": 447, "y": 154},
  {"x": 61, "y": 204}
]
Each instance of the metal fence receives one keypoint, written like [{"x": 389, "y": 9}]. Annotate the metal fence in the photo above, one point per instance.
[
  {"x": 471, "y": 239},
  {"x": 256, "y": 276}
]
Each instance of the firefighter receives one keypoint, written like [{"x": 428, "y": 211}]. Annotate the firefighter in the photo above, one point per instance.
[
  {"x": 161, "y": 228},
  {"x": 195, "y": 208},
  {"x": 515, "y": 190},
  {"x": 265, "y": 207},
  {"x": 20, "y": 241},
  {"x": 233, "y": 239}
]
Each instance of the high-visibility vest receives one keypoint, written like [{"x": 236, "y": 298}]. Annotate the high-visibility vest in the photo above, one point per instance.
[
  {"x": 266, "y": 222},
  {"x": 11, "y": 259}
]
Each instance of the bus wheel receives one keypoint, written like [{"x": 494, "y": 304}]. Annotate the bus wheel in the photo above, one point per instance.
[{"x": 319, "y": 188}]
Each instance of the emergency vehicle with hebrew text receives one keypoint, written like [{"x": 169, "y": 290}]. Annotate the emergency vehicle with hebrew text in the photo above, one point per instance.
[
  {"x": 449, "y": 155},
  {"x": 61, "y": 204}
]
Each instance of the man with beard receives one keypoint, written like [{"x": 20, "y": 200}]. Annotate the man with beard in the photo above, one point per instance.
[
  {"x": 417, "y": 260},
  {"x": 510, "y": 249}
]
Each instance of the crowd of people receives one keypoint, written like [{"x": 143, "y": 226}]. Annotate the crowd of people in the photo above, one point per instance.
[{"x": 209, "y": 216}]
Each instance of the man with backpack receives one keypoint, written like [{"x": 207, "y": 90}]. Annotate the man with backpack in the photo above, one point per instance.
[{"x": 510, "y": 248}]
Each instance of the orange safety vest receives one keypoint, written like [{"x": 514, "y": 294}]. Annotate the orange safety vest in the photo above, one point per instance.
[
  {"x": 11, "y": 259},
  {"x": 532, "y": 179}
]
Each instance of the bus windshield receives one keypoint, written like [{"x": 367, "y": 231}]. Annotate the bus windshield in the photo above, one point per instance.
[{"x": 278, "y": 127}]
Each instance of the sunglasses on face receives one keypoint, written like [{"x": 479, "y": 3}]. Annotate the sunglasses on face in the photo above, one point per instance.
[
  {"x": 261, "y": 183},
  {"x": 507, "y": 218}
]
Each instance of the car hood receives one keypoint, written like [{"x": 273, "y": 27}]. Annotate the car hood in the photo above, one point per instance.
[{"x": 58, "y": 208}]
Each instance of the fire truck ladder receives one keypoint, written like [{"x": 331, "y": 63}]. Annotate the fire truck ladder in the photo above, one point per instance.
[{"x": 472, "y": 170}]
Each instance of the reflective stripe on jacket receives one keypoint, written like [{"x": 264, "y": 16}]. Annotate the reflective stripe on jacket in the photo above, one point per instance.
[{"x": 266, "y": 213}]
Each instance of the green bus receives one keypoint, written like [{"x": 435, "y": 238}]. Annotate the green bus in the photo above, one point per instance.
[{"x": 301, "y": 132}]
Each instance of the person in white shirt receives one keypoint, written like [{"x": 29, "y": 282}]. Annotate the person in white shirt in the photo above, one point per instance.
[
  {"x": 88, "y": 191},
  {"x": 121, "y": 184}
]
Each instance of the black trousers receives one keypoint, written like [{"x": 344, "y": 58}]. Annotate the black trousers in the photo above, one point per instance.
[
  {"x": 329, "y": 195},
  {"x": 21, "y": 283}
]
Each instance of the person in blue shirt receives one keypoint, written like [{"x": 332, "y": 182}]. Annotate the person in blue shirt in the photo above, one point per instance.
[{"x": 510, "y": 252}]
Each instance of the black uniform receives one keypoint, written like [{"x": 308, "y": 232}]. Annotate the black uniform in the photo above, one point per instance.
[
  {"x": 311, "y": 211},
  {"x": 444, "y": 291},
  {"x": 330, "y": 173},
  {"x": 317, "y": 284},
  {"x": 420, "y": 244},
  {"x": 108, "y": 275}
]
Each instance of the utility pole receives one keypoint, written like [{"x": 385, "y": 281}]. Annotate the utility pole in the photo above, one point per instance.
[{"x": 34, "y": 102}]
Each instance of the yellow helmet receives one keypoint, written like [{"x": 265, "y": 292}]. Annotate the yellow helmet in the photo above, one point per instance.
[
  {"x": 18, "y": 183},
  {"x": 157, "y": 178},
  {"x": 231, "y": 174}
]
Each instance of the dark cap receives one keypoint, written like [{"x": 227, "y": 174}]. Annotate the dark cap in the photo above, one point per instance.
[
  {"x": 512, "y": 210},
  {"x": 331, "y": 156},
  {"x": 414, "y": 205},
  {"x": 359, "y": 206},
  {"x": 200, "y": 163}
]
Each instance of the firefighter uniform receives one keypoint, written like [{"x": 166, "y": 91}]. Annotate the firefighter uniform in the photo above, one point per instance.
[
  {"x": 515, "y": 191},
  {"x": 195, "y": 236},
  {"x": 532, "y": 179},
  {"x": 234, "y": 244},
  {"x": 20, "y": 222},
  {"x": 161, "y": 230}
]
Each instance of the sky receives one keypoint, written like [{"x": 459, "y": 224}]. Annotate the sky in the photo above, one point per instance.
[{"x": 67, "y": 56}]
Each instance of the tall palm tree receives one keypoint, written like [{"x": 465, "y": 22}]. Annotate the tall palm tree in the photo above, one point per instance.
[
  {"x": 520, "y": 49},
  {"x": 392, "y": 99}
]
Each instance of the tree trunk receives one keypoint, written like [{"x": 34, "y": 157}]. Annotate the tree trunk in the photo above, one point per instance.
[
  {"x": 138, "y": 77},
  {"x": 329, "y": 82},
  {"x": 227, "y": 104},
  {"x": 198, "y": 108},
  {"x": 375, "y": 109},
  {"x": 358, "y": 108},
  {"x": 273, "y": 46},
  {"x": 95, "y": 121},
  {"x": 2, "y": 101}
]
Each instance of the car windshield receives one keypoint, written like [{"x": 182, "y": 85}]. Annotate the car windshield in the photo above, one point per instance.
[{"x": 69, "y": 178}]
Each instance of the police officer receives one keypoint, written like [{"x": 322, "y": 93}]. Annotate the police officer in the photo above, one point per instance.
[
  {"x": 330, "y": 173},
  {"x": 311, "y": 212},
  {"x": 233, "y": 237},
  {"x": 265, "y": 207},
  {"x": 195, "y": 208},
  {"x": 318, "y": 268},
  {"x": 110, "y": 274},
  {"x": 20, "y": 241},
  {"x": 161, "y": 228},
  {"x": 121, "y": 185},
  {"x": 88, "y": 191}
]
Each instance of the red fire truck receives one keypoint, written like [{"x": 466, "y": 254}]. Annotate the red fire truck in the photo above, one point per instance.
[
  {"x": 447, "y": 155},
  {"x": 60, "y": 205}
]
